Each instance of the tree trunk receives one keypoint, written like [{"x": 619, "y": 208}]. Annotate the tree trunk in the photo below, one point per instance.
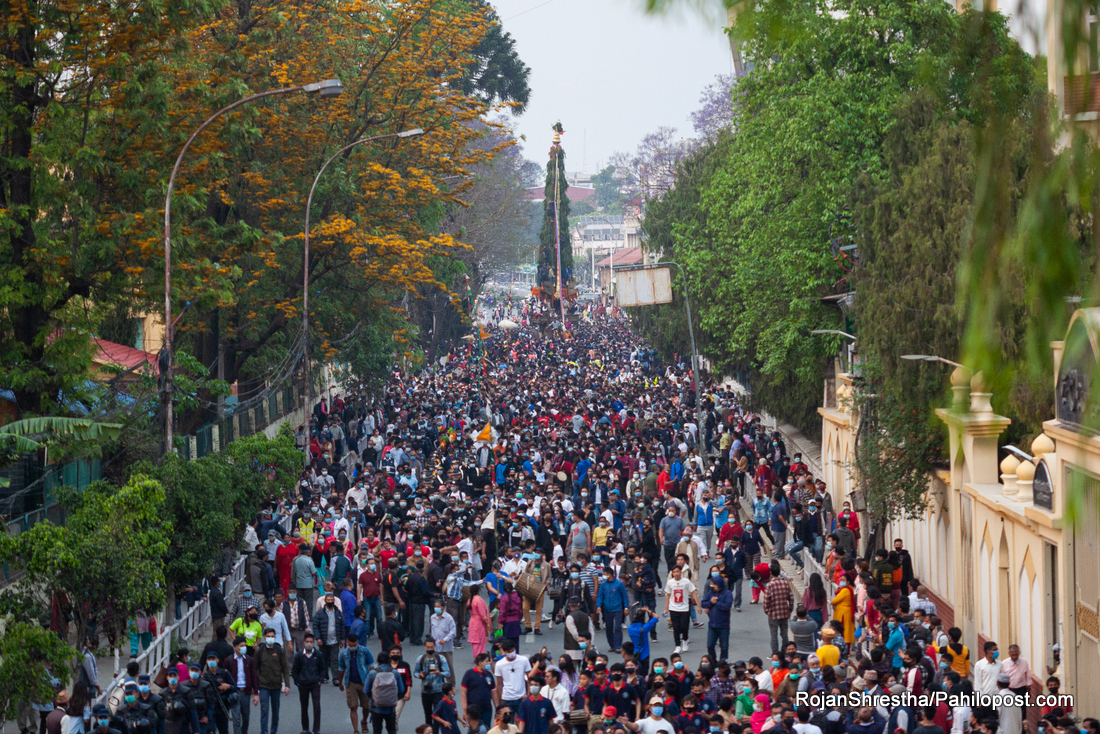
[{"x": 170, "y": 606}]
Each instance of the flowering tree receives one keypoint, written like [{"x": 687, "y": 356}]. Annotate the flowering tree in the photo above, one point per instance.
[{"x": 716, "y": 111}]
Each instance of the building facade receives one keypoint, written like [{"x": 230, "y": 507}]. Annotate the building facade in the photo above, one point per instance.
[{"x": 1009, "y": 541}]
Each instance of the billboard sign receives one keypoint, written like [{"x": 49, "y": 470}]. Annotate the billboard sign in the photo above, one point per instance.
[{"x": 643, "y": 286}]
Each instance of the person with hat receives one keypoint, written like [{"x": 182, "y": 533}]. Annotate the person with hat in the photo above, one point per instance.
[
  {"x": 247, "y": 600},
  {"x": 655, "y": 723},
  {"x": 200, "y": 695},
  {"x": 138, "y": 715},
  {"x": 104, "y": 723},
  {"x": 177, "y": 707},
  {"x": 222, "y": 693}
]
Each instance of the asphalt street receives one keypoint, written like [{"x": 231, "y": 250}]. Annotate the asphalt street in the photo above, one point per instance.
[{"x": 748, "y": 637}]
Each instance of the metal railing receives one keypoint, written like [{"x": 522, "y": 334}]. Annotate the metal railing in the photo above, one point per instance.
[{"x": 157, "y": 655}]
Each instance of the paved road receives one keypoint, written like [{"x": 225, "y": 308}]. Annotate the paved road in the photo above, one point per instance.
[{"x": 748, "y": 637}]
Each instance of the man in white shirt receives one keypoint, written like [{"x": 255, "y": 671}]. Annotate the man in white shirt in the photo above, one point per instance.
[
  {"x": 511, "y": 672},
  {"x": 359, "y": 494},
  {"x": 987, "y": 669},
  {"x": 558, "y": 695}
]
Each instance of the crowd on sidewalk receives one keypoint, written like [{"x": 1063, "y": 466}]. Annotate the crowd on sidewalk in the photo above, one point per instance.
[{"x": 536, "y": 481}]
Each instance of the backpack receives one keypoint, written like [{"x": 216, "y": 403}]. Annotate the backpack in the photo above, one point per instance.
[{"x": 383, "y": 691}]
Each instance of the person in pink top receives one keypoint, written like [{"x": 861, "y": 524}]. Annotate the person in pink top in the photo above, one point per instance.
[{"x": 478, "y": 629}]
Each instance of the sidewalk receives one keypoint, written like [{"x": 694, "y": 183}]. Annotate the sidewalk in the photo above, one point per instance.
[
  {"x": 105, "y": 657},
  {"x": 799, "y": 578}
]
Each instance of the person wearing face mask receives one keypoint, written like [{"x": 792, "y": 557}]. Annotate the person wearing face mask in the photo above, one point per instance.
[
  {"x": 297, "y": 618},
  {"x": 309, "y": 672},
  {"x": 304, "y": 575},
  {"x": 622, "y": 695},
  {"x": 177, "y": 706},
  {"x": 328, "y": 630},
  {"x": 272, "y": 677},
  {"x": 248, "y": 627},
  {"x": 433, "y": 670},
  {"x": 219, "y": 691},
  {"x": 370, "y": 592},
  {"x": 511, "y": 677},
  {"x": 987, "y": 669},
  {"x": 443, "y": 631},
  {"x": 612, "y": 602},
  {"x": 135, "y": 713},
  {"x": 535, "y": 712},
  {"x": 717, "y": 601},
  {"x": 104, "y": 723},
  {"x": 670, "y": 532},
  {"x": 655, "y": 723}
]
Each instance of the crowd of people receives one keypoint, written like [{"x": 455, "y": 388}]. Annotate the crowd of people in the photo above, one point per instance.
[{"x": 535, "y": 481}]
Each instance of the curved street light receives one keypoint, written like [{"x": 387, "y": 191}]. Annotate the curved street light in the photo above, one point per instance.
[
  {"x": 838, "y": 332},
  {"x": 929, "y": 358},
  {"x": 306, "y": 415},
  {"x": 325, "y": 89}
]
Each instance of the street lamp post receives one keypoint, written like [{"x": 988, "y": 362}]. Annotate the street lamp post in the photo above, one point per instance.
[
  {"x": 838, "y": 332},
  {"x": 844, "y": 334},
  {"x": 929, "y": 358},
  {"x": 306, "y": 413},
  {"x": 324, "y": 89}
]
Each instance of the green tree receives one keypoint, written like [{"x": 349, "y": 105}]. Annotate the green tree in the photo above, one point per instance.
[
  {"x": 108, "y": 558},
  {"x": 497, "y": 74},
  {"x": 29, "y": 657},
  {"x": 608, "y": 196},
  {"x": 199, "y": 501},
  {"x": 58, "y": 250},
  {"x": 556, "y": 182}
]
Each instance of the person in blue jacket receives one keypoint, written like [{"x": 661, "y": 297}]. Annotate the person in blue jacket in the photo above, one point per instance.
[
  {"x": 735, "y": 558},
  {"x": 717, "y": 601},
  {"x": 645, "y": 621},
  {"x": 612, "y": 602}
]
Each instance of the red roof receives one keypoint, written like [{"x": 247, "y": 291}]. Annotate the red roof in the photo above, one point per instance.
[
  {"x": 573, "y": 193},
  {"x": 121, "y": 355},
  {"x": 629, "y": 256}
]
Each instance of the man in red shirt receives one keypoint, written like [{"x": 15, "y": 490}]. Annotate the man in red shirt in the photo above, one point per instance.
[
  {"x": 370, "y": 592},
  {"x": 663, "y": 480}
]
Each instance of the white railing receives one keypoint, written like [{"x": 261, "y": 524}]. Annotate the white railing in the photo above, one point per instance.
[{"x": 157, "y": 655}]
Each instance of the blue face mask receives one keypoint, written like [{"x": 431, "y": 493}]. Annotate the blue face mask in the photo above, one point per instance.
[
  {"x": 574, "y": 575},
  {"x": 715, "y": 575},
  {"x": 658, "y": 710},
  {"x": 892, "y": 625},
  {"x": 582, "y": 645},
  {"x": 996, "y": 654},
  {"x": 143, "y": 688},
  {"x": 775, "y": 663},
  {"x": 943, "y": 665}
]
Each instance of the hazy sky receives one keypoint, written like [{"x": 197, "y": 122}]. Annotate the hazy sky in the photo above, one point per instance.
[{"x": 606, "y": 69}]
